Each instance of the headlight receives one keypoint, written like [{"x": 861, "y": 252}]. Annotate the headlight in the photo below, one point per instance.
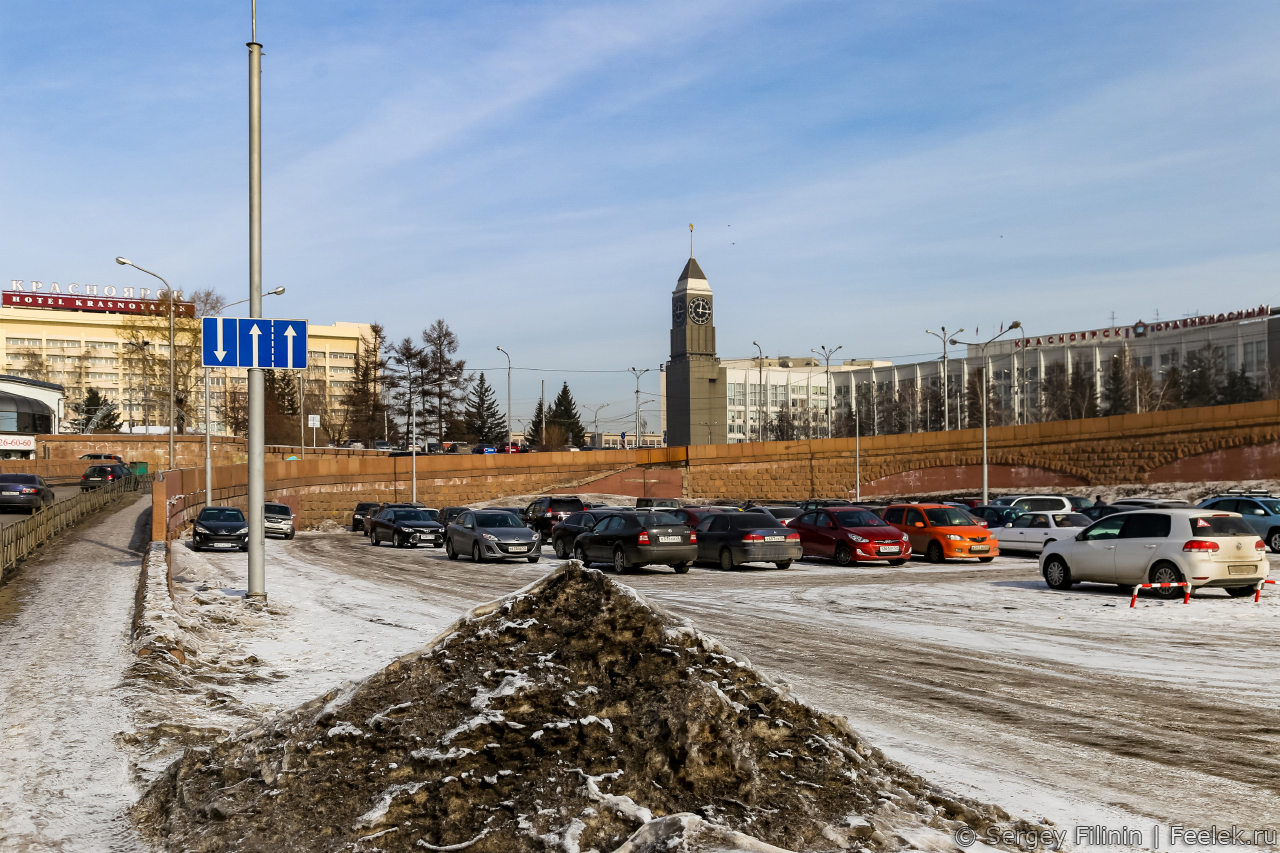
[
  {"x": 955, "y": 538},
  {"x": 242, "y": 530},
  {"x": 490, "y": 537},
  {"x": 200, "y": 529},
  {"x": 856, "y": 538}
]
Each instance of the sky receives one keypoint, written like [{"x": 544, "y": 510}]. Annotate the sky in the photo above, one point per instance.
[{"x": 856, "y": 172}]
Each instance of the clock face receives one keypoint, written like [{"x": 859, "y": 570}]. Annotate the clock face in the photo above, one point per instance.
[
  {"x": 677, "y": 311},
  {"x": 699, "y": 310}
]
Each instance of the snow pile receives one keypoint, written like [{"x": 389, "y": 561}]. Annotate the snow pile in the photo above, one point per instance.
[{"x": 567, "y": 716}]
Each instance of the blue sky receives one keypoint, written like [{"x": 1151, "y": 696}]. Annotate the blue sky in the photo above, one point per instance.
[{"x": 857, "y": 171}]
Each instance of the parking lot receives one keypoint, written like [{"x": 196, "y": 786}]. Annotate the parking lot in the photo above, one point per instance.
[{"x": 1065, "y": 705}]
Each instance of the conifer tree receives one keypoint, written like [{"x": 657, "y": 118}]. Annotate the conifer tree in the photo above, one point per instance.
[
  {"x": 482, "y": 417},
  {"x": 564, "y": 414},
  {"x": 533, "y": 438},
  {"x": 94, "y": 405}
]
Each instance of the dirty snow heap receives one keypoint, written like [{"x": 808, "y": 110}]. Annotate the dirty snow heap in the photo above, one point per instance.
[{"x": 566, "y": 716}]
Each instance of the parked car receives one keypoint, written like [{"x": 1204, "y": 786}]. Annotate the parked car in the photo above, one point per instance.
[
  {"x": 97, "y": 476},
  {"x": 691, "y": 516},
  {"x": 942, "y": 532},
  {"x": 544, "y": 513},
  {"x": 1093, "y": 513},
  {"x": 220, "y": 527},
  {"x": 104, "y": 457},
  {"x": 1050, "y": 503},
  {"x": 638, "y": 539},
  {"x": 514, "y": 510},
  {"x": 1034, "y": 531},
  {"x": 406, "y": 527},
  {"x": 278, "y": 519},
  {"x": 731, "y": 539},
  {"x": 1175, "y": 545},
  {"x": 819, "y": 503},
  {"x": 657, "y": 503},
  {"x": 485, "y": 448},
  {"x": 1150, "y": 503},
  {"x": 487, "y": 535},
  {"x": 450, "y": 513},
  {"x": 784, "y": 514},
  {"x": 362, "y": 511},
  {"x": 850, "y": 535},
  {"x": 567, "y": 531},
  {"x": 382, "y": 445},
  {"x": 997, "y": 516},
  {"x": 1261, "y": 513},
  {"x": 26, "y": 491}
]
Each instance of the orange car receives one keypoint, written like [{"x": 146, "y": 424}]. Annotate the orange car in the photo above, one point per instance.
[{"x": 941, "y": 532}]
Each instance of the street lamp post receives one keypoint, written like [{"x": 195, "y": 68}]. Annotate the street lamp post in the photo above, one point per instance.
[
  {"x": 169, "y": 295},
  {"x": 595, "y": 422},
  {"x": 508, "y": 355},
  {"x": 983, "y": 390},
  {"x": 638, "y": 374},
  {"x": 759, "y": 390},
  {"x": 826, "y": 356},
  {"x": 945, "y": 405},
  {"x": 709, "y": 425}
]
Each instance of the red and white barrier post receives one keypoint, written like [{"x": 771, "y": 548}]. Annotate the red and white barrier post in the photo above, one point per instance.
[
  {"x": 1257, "y": 591},
  {"x": 1186, "y": 598}
]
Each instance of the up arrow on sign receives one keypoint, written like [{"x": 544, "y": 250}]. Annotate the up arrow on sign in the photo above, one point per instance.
[
  {"x": 290, "y": 334},
  {"x": 255, "y": 332},
  {"x": 254, "y": 342}
]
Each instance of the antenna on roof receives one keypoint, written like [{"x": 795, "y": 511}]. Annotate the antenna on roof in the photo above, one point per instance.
[{"x": 690, "y": 240}]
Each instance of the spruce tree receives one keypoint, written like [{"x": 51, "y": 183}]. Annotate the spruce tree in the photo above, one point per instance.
[
  {"x": 1118, "y": 388},
  {"x": 564, "y": 414},
  {"x": 482, "y": 418},
  {"x": 94, "y": 405},
  {"x": 533, "y": 438}
]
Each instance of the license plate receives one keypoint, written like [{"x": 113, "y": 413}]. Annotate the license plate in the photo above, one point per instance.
[
  {"x": 224, "y": 544},
  {"x": 1241, "y": 570},
  {"x": 518, "y": 549},
  {"x": 9, "y": 493},
  {"x": 669, "y": 539},
  {"x": 979, "y": 549},
  {"x": 889, "y": 549},
  {"x": 775, "y": 539}
]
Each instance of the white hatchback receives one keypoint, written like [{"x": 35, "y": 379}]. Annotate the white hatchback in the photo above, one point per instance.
[
  {"x": 1037, "y": 530},
  {"x": 1209, "y": 549}
]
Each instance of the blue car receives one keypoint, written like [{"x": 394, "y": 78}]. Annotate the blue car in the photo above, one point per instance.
[{"x": 1261, "y": 512}]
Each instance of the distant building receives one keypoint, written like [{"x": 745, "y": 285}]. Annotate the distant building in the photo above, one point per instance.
[{"x": 28, "y": 408}]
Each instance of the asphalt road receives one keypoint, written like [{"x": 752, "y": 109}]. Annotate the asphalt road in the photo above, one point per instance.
[{"x": 13, "y": 516}]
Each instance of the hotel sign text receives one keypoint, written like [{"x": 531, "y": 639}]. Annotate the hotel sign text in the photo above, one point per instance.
[{"x": 86, "y": 297}]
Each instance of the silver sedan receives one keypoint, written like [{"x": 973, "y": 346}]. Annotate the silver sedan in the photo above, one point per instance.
[{"x": 491, "y": 535}]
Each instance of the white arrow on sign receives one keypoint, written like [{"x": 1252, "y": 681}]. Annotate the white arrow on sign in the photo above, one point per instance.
[
  {"x": 290, "y": 333},
  {"x": 219, "y": 352},
  {"x": 255, "y": 331}
]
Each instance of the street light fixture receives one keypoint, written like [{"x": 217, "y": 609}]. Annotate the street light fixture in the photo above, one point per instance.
[
  {"x": 637, "y": 374},
  {"x": 595, "y": 422},
  {"x": 760, "y": 391},
  {"x": 826, "y": 356},
  {"x": 168, "y": 293},
  {"x": 985, "y": 380},
  {"x": 945, "y": 405}
]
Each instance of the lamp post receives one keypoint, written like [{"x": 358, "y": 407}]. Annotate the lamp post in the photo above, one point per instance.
[
  {"x": 708, "y": 425},
  {"x": 637, "y": 374},
  {"x": 169, "y": 294},
  {"x": 508, "y": 355},
  {"x": 983, "y": 389},
  {"x": 945, "y": 405},
  {"x": 826, "y": 356},
  {"x": 760, "y": 391},
  {"x": 595, "y": 422}
]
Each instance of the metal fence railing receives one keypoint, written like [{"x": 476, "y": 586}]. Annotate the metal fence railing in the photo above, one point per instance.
[{"x": 19, "y": 541}]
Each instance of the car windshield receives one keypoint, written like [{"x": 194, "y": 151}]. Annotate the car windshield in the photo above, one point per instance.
[
  {"x": 98, "y": 471},
  {"x": 1070, "y": 519},
  {"x": 949, "y": 517},
  {"x": 28, "y": 479},
  {"x": 858, "y": 518},
  {"x": 278, "y": 509},
  {"x": 654, "y": 519},
  {"x": 566, "y": 505},
  {"x": 497, "y": 519},
  {"x": 785, "y": 511},
  {"x": 221, "y": 513},
  {"x": 1220, "y": 526},
  {"x": 365, "y": 507},
  {"x": 412, "y": 515}
]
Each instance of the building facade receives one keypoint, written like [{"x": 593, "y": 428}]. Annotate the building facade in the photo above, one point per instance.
[{"x": 59, "y": 341}]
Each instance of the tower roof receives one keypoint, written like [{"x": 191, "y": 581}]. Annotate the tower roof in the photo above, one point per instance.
[{"x": 692, "y": 270}]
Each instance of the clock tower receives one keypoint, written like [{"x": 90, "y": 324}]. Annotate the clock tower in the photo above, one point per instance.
[{"x": 696, "y": 401}]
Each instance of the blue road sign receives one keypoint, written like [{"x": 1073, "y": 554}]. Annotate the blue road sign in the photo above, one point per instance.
[{"x": 245, "y": 342}]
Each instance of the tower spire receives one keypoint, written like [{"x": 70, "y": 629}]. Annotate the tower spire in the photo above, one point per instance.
[{"x": 690, "y": 241}]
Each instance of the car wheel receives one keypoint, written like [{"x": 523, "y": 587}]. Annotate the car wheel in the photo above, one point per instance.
[
  {"x": 726, "y": 560},
  {"x": 896, "y": 562},
  {"x": 620, "y": 561},
  {"x": 580, "y": 554},
  {"x": 1166, "y": 573},
  {"x": 373, "y": 540},
  {"x": 784, "y": 564},
  {"x": 985, "y": 559},
  {"x": 448, "y": 550},
  {"x": 397, "y": 539},
  {"x": 1057, "y": 574},
  {"x": 476, "y": 554},
  {"x": 1240, "y": 591},
  {"x": 681, "y": 568},
  {"x": 561, "y": 549},
  {"x": 934, "y": 553},
  {"x": 1273, "y": 541},
  {"x": 289, "y": 535},
  {"x": 843, "y": 556}
]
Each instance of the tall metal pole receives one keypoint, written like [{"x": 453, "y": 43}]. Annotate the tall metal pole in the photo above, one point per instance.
[
  {"x": 257, "y": 386},
  {"x": 760, "y": 391},
  {"x": 946, "y": 406},
  {"x": 638, "y": 374},
  {"x": 208, "y": 446},
  {"x": 302, "y": 413},
  {"x": 413, "y": 439},
  {"x": 508, "y": 355},
  {"x": 857, "y": 444},
  {"x": 826, "y": 356}
]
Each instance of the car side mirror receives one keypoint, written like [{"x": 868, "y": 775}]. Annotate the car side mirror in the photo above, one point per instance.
[
  {"x": 919, "y": 524},
  {"x": 1080, "y": 536},
  {"x": 1008, "y": 524}
]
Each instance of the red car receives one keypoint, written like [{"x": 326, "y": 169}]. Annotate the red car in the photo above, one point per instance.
[{"x": 850, "y": 535}]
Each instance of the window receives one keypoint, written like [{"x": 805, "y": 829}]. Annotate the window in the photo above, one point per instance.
[
  {"x": 1220, "y": 525},
  {"x": 1108, "y": 528},
  {"x": 1145, "y": 525},
  {"x": 949, "y": 517},
  {"x": 1037, "y": 521},
  {"x": 1023, "y": 521},
  {"x": 1071, "y": 519},
  {"x": 914, "y": 517},
  {"x": 1249, "y": 508},
  {"x": 349, "y": 356},
  {"x": 777, "y": 396},
  {"x": 859, "y": 518},
  {"x": 314, "y": 354},
  {"x": 1231, "y": 363},
  {"x": 893, "y": 515},
  {"x": 798, "y": 391},
  {"x": 22, "y": 342},
  {"x": 719, "y": 524}
]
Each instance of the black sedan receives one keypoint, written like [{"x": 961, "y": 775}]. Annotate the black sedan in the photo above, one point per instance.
[
  {"x": 363, "y": 510},
  {"x": 222, "y": 527},
  {"x": 25, "y": 491},
  {"x": 637, "y": 539},
  {"x": 996, "y": 515},
  {"x": 97, "y": 476},
  {"x": 405, "y": 527},
  {"x": 567, "y": 531},
  {"x": 731, "y": 539}
]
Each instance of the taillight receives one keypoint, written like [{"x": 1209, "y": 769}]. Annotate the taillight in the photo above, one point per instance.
[
  {"x": 693, "y": 537},
  {"x": 644, "y": 537},
  {"x": 84, "y": 476},
  {"x": 111, "y": 476},
  {"x": 27, "y": 490},
  {"x": 1259, "y": 545},
  {"x": 1200, "y": 545},
  {"x": 753, "y": 537},
  {"x": 793, "y": 537}
]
